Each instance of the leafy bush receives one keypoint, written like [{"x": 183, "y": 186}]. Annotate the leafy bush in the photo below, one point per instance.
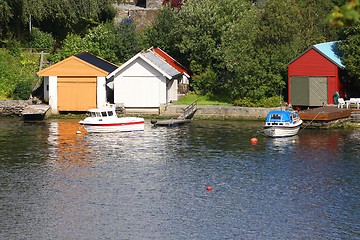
[
  {"x": 13, "y": 47},
  {"x": 41, "y": 39},
  {"x": 22, "y": 90},
  {"x": 17, "y": 74}
]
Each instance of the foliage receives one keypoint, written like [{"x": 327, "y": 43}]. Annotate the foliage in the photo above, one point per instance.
[
  {"x": 40, "y": 39},
  {"x": 204, "y": 81},
  {"x": 245, "y": 46},
  {"x": 126, "y": 41},
  {"x": 13, "y": 46},
  {"x": 58, "y": 17},
  {"x": 115, "y": 44},
  {"x": 164, "y": 33},
  {"x": 18, "y": 74},
  {"x": 72, "y": 44},
  {"x": 346, "y": 14},
  {"x": 351, "y": 59}
]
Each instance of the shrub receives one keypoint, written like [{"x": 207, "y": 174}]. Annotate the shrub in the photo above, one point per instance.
[
  {"x": 41, "y": 39},
  {"x": 22, "y": 90},
  {"x": 13, "y": 47}
]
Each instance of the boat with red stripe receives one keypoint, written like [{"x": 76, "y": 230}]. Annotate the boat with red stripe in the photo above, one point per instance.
[{"x": 106, "y": 120}]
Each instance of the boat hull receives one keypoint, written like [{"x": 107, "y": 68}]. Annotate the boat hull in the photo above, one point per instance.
[
  {"x": 126, "y": 124},
  {"x": 281, "y": 131}
]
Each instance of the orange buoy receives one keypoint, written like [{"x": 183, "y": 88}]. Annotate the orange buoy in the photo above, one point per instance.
[
  {"x": 209, "y": 188},
  {"x": 254, "y": 140}
]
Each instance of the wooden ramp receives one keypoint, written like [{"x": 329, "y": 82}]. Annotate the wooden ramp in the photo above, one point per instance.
[
  {"x": 185, "y": 117},
  {"x": 36, "y": 112},
  {"x": 328, "y": 113}
]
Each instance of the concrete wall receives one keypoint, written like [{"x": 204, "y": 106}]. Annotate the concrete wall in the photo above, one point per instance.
[{"x": 218, "y": 112}]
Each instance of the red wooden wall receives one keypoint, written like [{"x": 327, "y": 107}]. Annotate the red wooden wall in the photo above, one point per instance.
[{"x": 313, "y": 64}]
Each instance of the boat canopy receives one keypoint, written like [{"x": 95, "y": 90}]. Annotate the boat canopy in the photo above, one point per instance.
[{"x": 281, "y": 116}]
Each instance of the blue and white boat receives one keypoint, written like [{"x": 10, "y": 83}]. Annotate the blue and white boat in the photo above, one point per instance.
[{"x": 282, "y": 123}]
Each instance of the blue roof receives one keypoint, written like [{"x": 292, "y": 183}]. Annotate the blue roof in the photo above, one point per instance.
[
  {"x": 331, "y": 51},
  {"x": 279, "y": 116}
]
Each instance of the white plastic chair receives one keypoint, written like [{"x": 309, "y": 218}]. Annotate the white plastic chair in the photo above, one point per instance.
[{"x": 341, "y": 103}]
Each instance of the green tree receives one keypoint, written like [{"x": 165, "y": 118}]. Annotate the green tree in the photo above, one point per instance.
[
  {"x": 350, "y": 46},
  {"x": 5, "y": 17},
  {"x": 58, "y": 17},
  {"x": 126, "y": 41},
  {"x": 72, "y": 44},
  {"x": 164, "y": 33}
]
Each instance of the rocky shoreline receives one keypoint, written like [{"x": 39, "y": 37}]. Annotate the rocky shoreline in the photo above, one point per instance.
[{"x": 13, "y": 108}]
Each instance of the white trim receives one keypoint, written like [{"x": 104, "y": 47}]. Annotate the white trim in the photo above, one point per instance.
[
  {"x": 53, "y": 94},
  {"x": 100, "y": 91},
  {"x": 139, "y": 55}
]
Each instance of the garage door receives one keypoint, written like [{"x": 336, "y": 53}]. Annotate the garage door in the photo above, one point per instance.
[
  {"x": 140, "y": 92},
  {"x": 76, "y": 93},
  {"x": 308, "y": 91}
]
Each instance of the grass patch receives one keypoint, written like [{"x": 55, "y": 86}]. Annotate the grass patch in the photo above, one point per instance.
[{"x": 202, "y": 100}]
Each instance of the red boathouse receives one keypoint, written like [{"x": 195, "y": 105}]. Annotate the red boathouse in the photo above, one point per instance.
[{"x": 314, "y": 76}]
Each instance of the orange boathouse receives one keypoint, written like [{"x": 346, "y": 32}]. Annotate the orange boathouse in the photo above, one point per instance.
[{"x": 77, "y": 83}]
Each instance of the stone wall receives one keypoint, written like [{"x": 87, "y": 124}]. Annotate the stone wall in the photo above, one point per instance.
[
  {"x": 13, "y": 107},
  {"x": 219, "y": 112}
]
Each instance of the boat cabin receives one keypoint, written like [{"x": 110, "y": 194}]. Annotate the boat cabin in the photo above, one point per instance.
[
  {"x": 281, "y": 118},
  {"x": 102, "y": 112}
]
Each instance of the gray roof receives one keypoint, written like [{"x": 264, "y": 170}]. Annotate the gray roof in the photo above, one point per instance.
[{"x": 161, "y": 63}]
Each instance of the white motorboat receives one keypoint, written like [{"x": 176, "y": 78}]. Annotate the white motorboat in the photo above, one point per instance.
[
  {"x": 106, "y": 120},
  {"x": 282, "y": 123}
]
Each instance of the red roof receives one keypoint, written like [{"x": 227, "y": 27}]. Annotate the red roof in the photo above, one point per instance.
[{"x": 175, "y": 64}]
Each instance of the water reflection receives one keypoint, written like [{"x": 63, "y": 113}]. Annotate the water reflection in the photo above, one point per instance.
[
  {"x": 151, "y": 184},
  {"x": 65, "y": 144}
]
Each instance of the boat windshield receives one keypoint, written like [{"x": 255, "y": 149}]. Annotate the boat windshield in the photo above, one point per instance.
[
  {"x": 104, "y": 114},
  {"x": 95, "y": 114},
  {"x": 110, "y": 113},
  {"x": 275, "y": 117}
]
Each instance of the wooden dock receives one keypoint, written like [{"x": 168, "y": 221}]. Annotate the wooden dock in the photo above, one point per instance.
[
  {"x": 325, "y": 117},
  {"x": 185, "y": 117},
  {"x": 36, "y": 112},
  {"x": 328, "y": 113},
  {"x": 170, "y": 122}
]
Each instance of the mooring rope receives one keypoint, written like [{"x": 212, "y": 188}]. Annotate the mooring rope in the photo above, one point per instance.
[{"x": 311, "y": 121}]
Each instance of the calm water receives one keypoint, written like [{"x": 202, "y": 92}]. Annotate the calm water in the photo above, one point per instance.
[{"x": 55, "y": 184}]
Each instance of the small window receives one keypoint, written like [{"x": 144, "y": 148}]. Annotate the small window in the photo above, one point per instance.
[
  {"x": 103, "y": 114},
  {"x": 110, "y": 113},
  {"x": 276, "y": 116}
]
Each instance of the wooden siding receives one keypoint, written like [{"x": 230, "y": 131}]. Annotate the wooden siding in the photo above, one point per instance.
[
  {"x": 72, "y": 66},
  {"x": 313, "y": 64},
  {"x": 139, "y": 85},
  {"x": 76, "y": 93}
]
